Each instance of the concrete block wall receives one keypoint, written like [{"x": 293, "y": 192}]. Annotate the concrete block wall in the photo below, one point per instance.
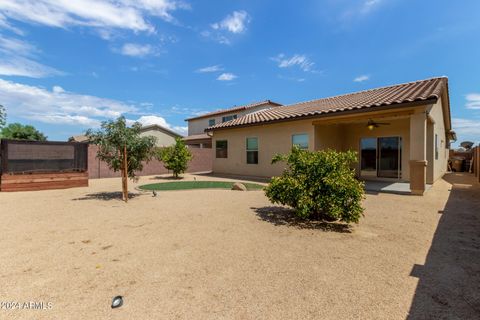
[{"x": 202, "y": 161}]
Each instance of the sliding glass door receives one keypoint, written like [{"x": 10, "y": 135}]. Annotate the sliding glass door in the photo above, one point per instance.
[
  {"x": 368, "y": 147},
  {"x": 389, "y": 159},
  {"x": 381, "y": 157}
]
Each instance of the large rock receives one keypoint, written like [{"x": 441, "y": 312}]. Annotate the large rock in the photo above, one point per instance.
[{"x": 239, "y": 186}]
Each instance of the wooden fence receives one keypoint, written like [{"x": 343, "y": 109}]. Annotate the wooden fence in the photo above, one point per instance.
[{"x": 41, "y": 165}]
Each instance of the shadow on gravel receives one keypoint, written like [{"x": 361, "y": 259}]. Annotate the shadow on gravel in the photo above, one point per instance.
[
  {"x": 280, "y": 216},
  {"x": 449, "y": 282},
  {"x": 168, "y": 178},
  {"x": 107, "y": 196},
  {"x": 233, "y": 177}
]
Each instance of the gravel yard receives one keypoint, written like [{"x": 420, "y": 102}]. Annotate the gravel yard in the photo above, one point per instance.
[{"x": 221, "y": 254}]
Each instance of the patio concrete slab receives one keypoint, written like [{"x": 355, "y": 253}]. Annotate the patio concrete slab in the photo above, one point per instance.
[{"x": 390, "y": 187}]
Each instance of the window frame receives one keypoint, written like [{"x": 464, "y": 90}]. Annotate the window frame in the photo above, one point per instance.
[
  {"x": 217, "y": 149},
  {"x": 247, "y": 150},
  {"x": 232, "y": 117},
  {"x": 301, "y": 134},
  {"x": 210, "y": 122}
]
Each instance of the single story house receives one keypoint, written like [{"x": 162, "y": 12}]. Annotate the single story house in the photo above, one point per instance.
[
  {"x": 401, "y": 133},
  {"x": 197, "y": 138}
]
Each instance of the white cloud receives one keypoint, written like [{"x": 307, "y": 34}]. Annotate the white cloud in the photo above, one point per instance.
[
  {"x": 5, "y": 25},
  {"x": 215, "y": 36},
  {"x": 299, "y": 60},
  {"x": 109, "y": 14},
  {"x": 187, "y": 111},
  {"x": 19, "y": 47},
  {"x": 137, "y": 50},
  {"x": 473, "y": 101},
  {"x": 361, "y": 78},
  {"x": 16, "y": 59},
  {"x": 58, "y": 89},
  {"x": 226, "y": 77},
  {"x": 151, "y": 120},
  {"x": 355, "y": 11},
  {"x": 234, "y": 23},
  {"x": 369, "y": 5},
  {"x": 296, "y": 79},
  {"x": 467, "y": 129},
  {"x": 18, "y": 66},
  {"x": 210, "y": 69},
  {"x": 59, "y": 106}
]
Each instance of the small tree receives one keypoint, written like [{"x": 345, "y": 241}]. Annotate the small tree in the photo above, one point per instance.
[
  {"x": 3, "y": 116},
  {"x": 321, "y": 184},
  {"x": 122, "y": 148},
  {"x": 175, "y": 157},
  {"x": 19, "y": 131}
]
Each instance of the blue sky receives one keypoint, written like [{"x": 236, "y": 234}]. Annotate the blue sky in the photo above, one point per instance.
[{"x": 67, "y": 65}]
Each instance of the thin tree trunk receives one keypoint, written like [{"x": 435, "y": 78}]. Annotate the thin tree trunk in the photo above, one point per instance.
[{"x": 125, "y": 174}]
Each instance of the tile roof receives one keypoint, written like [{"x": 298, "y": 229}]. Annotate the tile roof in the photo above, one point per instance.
[
  {"x": 236, "y": 108},
  {"x": 197, "y": 137},
  {"x": 380, "y": 97}
]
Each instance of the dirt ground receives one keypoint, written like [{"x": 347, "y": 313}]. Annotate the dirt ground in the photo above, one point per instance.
[{"x": 221, "y": 254}]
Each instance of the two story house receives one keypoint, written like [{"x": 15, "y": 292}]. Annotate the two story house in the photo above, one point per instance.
[{"x": 197, "y": 138}]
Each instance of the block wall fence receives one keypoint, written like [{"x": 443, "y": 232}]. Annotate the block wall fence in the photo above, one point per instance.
[{"x": 201, "y": 162}]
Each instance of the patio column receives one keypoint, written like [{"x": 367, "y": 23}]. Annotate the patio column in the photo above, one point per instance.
[{"x": 418, "y": 152}]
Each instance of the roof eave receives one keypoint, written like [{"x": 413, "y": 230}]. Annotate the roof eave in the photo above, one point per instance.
[
  {"x": 239, "y": 108},
  {"x": 428, "y": 101}
]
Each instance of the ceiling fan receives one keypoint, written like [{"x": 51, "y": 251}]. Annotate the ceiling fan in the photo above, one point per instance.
[{"x": 373, "y": 124}]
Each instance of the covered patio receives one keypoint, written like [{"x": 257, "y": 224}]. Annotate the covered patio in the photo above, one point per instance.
[{"x": 398, "y": 150}]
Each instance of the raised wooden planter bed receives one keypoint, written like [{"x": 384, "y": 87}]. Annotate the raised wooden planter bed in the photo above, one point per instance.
[{"x": 43, "y": 181}]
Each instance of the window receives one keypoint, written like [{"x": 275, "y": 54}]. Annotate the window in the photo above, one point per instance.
[
  {"x": 228, "y": 118},
  {"x": 252, "y": 150},
  {"x": 211, "y": 122},
  {"x": 436, "y": 147},
  {"x": 221, "y": 149},
  {"x": 300, "y": 140}
]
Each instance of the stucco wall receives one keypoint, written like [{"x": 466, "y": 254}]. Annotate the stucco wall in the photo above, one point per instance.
[
  {"x": 198, "y": 126},
  {"x": 330, "y": 137},
  {"x": 163, "y": 139},
  {"x": 201, "y": 162},
  {"x": 272, "y": 139},
  {"x": 430, "y": 152},
  {"x": 440, "y": 164},
  {"x": 277, "y": 138}
]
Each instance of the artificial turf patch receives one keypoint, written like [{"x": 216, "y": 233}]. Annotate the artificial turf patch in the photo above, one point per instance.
[{"x": 187, "y": 185}]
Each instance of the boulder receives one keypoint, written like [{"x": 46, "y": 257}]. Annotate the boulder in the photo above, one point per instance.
[{"x": 239, "y": 186}]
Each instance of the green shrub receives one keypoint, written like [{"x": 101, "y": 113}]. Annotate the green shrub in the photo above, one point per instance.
[
  {"x": 320, "y": 184},
  {"x": 175, "y": 157}
]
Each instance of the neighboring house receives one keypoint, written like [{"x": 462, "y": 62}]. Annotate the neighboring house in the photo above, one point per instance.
[
  {"x": 401, "y": 133},
  {"x": 165, "y": 137},
  {"x": 197, "y": 125},
  {"x": 79, "y": 138}
]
